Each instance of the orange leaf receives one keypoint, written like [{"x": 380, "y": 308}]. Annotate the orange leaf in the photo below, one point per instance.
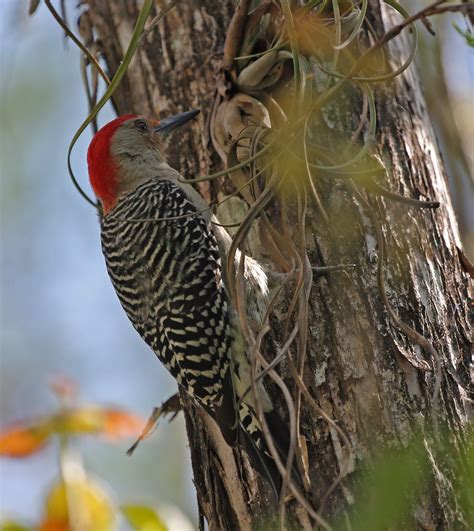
[
  {"x": 50, "y": 524},
  {"x": 21, "y": 440},
  {"x": 118, "y": 424},
  {"x": 17, "y": 441},
  {"x": 113, "y": 423}
]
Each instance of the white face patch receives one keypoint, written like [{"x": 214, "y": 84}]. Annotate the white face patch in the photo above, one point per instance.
[
  {"x": 137, "y": 155},
  {"x": 129, "y": 141}
]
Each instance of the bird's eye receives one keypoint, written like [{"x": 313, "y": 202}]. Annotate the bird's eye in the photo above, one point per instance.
[{"x": 141, "y": 125}]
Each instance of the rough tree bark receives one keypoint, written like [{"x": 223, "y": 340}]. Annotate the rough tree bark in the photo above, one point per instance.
[{"x": 357, "y": 366}]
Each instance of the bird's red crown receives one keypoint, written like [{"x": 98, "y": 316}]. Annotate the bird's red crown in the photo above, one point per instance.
[{"x": 101, "y": 166}]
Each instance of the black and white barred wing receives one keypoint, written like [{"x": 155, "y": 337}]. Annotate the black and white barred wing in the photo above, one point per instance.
[{"x": 167, "y": 275}]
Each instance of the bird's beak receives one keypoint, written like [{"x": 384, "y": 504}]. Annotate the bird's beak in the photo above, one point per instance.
[{"x": 177, "y": 120}]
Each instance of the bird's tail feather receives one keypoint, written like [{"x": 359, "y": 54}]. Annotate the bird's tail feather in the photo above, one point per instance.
[{"x": 253, "y": 441}]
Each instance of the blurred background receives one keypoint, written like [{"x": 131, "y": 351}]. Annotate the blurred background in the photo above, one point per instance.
[{"x": 59, "y": 314}]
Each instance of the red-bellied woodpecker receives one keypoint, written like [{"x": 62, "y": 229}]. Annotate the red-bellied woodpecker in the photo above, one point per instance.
[{"x": 164, "y": 257}]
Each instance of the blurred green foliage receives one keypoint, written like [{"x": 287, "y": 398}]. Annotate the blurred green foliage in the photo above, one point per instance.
[
  {"x": 401, "y": 480},
  {"x": 24, "y": 111},
  {"x": 143, "y": 518},
  {"x": 467, "y": 34}
]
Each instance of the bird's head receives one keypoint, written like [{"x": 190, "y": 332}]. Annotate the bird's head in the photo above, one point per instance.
[{"x": 128, "y": 151}]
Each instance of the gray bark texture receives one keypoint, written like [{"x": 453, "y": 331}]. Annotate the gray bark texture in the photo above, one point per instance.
[{"x": 360, "y": 366}]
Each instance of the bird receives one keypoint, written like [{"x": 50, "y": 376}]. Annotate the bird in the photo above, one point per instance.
[{"x": 164, "y": 252}]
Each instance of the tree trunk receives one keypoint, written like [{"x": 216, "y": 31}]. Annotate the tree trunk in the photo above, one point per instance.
[{"x": 375, "y": 378}]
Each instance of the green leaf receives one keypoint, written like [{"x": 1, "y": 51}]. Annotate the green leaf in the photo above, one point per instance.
[
  {"x": 386, "y": 492},
  {"x": 464, "y": 475},
  {"x": 12, "y": 526},
  {"x": 142, "y": 518},
  {"x": 467, "y": 34}
]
